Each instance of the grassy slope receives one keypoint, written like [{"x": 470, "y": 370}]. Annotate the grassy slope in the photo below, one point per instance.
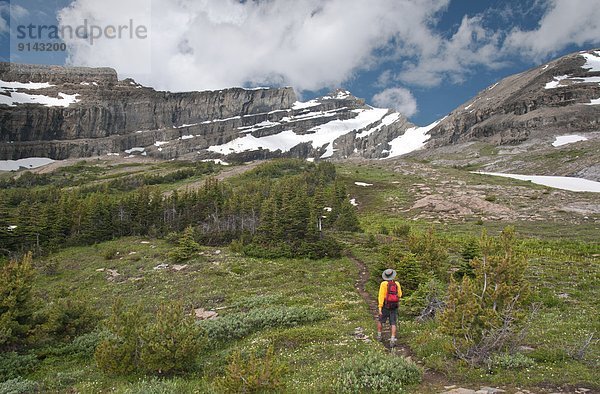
[
  {"x": 216, "y": 279},
  {"x": 313, "y": 352},
  {"x": 564, "y": 268}
]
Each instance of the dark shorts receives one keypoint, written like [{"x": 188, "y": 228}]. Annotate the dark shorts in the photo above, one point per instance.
[{"x": 391, "y": 314}]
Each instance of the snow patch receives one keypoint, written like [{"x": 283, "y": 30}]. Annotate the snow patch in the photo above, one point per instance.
[
  {"x": 364, "y": 184},
  {"x": 413, "y": 139},
  {"x": 557, "y": 182},
  {"x": 555, "y": 82},
  {"x": 318, "y": 136},
  {"x": 594, "y": 102},
  {"x": 592, "y": 61},
  {"x": 186, "y": 137},
  {"x": 21, "y": 85},
  {"x": 353, "y": 202},
  {"x": 136, "y": 149},
  {"x": 545, "y": 67},
  {"x": 386, "y": 121},
  {"x": 567, "y": 139},
  {"x": 30, "y": 162},
  {"x": 216, "y": 161},
  {"x": 493, "y": 86},
  {"x": 160, "y": 143},
  {"x": 64, "y": 100},
  {"x": 306, "y": 104}
]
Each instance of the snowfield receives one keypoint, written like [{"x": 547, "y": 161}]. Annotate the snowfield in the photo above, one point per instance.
[
  {"x": 30, "y": 162},
  {"x": 14, "y": 97},
  {"x": 558, "y": 182},
  {"x": 412, "y": 139},
  {"x": 318, "y": 136},
  {"x": 567, "y": 139}
]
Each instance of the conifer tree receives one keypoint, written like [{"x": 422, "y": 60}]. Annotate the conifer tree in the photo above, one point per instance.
[
  {"x": 490, "y": 304},
  {"x": 16, "y": 308}
]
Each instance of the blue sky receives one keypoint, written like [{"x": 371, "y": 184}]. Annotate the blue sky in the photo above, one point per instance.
[{"x": 422, "y": 57}]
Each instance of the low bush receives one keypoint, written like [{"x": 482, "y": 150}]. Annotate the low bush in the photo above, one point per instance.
[
  {"x": 13, "y": 365},
  {"x": 378, "y": 373},
  {"x": 426, "y": 301},
  {"x": 18, "y": 386},
  {"x": 252, "y": 374},
  {"x": 238, "y": 325},
  {"x": 83, "y": 346},
  {"x": 169, "y": 343},
  {"x": 510, "y": 361},
  {"x": 65, "y": 319},
  {"x": 433, "y": 348}
]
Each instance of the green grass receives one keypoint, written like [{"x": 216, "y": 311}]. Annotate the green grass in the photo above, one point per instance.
[
  {"x": 215, "y": 279},
  {"x": 564, "y": 269}
]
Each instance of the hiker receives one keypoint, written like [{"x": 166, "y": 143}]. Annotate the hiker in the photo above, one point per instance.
[{"x": 389, "y": 295}]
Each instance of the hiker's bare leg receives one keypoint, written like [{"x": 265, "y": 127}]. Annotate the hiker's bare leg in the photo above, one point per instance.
[
  {"x": 393, "y": 331},
  {"x": 379, "y": 326}
]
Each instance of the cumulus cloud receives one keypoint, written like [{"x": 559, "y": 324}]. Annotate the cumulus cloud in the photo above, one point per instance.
[
  {"x": 565, "y": 22},
  {"x": 314, "y": 44},
  {"x": 208, "y": 44},
  {"x": 397, "y": 98}
]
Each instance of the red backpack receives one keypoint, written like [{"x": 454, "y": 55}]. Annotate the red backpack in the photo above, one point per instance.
[{"x": 391, "y": 298}]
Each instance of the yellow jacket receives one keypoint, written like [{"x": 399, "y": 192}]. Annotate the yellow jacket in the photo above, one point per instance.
[{"x": 383, "y": 292}]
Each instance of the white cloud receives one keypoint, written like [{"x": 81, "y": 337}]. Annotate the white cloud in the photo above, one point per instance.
[
  {"x": 399, "y": 99},
  {"x": 308, "y": 44},
  {"x": 315, "y": 44},
  {"x": 565, "y": 22}
]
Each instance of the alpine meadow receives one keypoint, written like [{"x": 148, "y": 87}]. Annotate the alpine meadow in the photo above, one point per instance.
[{"x": 326, "y": 196}]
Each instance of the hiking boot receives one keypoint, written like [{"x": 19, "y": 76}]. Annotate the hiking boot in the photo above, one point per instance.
[
  {"x": 379, "y": 336},
  {"x": 392, "y": 342}
]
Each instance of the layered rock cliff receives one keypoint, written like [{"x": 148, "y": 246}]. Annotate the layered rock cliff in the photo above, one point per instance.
[
  {"x": 61, "y": 112},
  {"x": 559, "y": 97}
]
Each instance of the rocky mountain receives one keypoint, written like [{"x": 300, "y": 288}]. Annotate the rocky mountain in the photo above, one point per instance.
[
  {"x": 62, "y": 112},
  {"x": 557, "y": 98}
]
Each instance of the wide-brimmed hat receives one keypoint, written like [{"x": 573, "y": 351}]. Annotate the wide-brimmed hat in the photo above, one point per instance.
[{"x": 389, "y": 274}]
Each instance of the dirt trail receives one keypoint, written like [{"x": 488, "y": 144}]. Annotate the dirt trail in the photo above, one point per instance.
[{"x": 430, "y": 378}]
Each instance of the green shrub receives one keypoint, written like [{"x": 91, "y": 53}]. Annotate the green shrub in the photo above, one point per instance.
[
  {"x": 484, "y": 312},
  {"x": 252, "y": 374},
  {"x": 410, "y": 273},
  {"x": 511, "y": 361},
  {"x": 239, "y": 325},
  {"x": 171, "y": 342},
  {"x": 401, "y": 230},
  {"x": 119, "y": 352},
  {"x": 65, "y": 319},
  {"x": 431, "y": 251},
  {"x": 187, "y": 246},
  {"x": 111, "y": 254},
  {"x": 16, "y": 309},
  {"x": 433, "y": 348},
  {"x": 549, "y": 355},
  {"x": 154, "y": 385},
  {"x": 378, "y": 373},
  {"x": 166, "y": 344},
  {"x": 83, "y": 346},
  {"x": 428, "y": 294},
  {"x": 18, "y": 386},
  {"x": 13, "y": 365}
]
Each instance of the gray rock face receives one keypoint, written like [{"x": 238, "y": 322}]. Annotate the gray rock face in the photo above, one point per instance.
[
  {"x": 112, "y": 115},
  {"x": 548, "y": 100}
]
